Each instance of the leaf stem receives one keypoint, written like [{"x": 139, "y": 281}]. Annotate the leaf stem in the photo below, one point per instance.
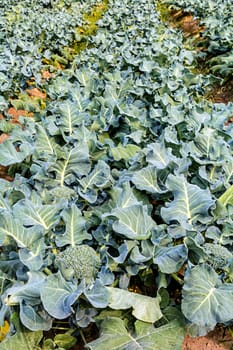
[
  {"x": 47, "y": 271},
  {"x": 177, "y": 279},
  {"x": 212, "y": 172},
  {"x": 82, "y": 336},
  {"x": 61, "y": 328}
]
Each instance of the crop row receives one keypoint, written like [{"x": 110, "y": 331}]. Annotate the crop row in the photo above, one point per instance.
[{"x": 130, "y": 164}]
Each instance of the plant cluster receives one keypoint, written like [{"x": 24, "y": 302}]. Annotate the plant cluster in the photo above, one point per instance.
[
  {"x": 129, "y": 160},
  {"x": 34, "y": 36},
  {"x": 216, "y": 17}
]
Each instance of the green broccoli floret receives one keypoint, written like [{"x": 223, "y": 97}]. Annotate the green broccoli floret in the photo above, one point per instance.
[
  {"x": 218, "y": 256},
  {"x": 81, "y": 262},
  {"x": 61, "y": 192}
]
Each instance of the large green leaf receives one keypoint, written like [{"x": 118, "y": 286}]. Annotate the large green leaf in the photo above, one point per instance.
[
  {"x": 97, "y": 294},
  {"x": 45, "y": 144},
  {"x": 146, "y": 179},
  {"x": 85, "y": 78},
  {"x": 170, "y": 259},
  {"x": 125, "y": 152},
  {"x": 9, "y": 226},
  {"x": 33, "y": 320},
  {"x": 190, "y": 203},
  {"x": 33, "y": 256},
  {"x": 124, "y": 197},
  {"x": 28, "y": 292},
  {"x": 227, "y": 197},
  {"x": 159, "y": 156},
  {"x": 208, "y": 148},
  {"x": 206, "y": 299},
  {"x": 58, "y": 296},
  {"x": 75, "y": 232},
  {"x": 68, "y": 117},
  {"x": 10, "y": 155},
  {"x": 31, "y": 214},
  {"x": 97, "y": 179},
  {"x": 81, "y": 101},
  {"x": 75, "y": 164},
  {"x": 133, "y": 222},
  {"x": 114, "y": 335},
  {"x": 22, "y": 340},
  {"x": 145, "y": 308}
]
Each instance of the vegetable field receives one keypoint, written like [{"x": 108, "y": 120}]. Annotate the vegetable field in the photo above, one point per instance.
[{"x": 116, "y": 169}]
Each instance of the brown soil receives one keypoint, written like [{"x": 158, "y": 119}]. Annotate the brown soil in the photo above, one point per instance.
[
  {"x": 219, "y": 339},
  {"x": 221, "y": 93},
  {"x": 182, "y": 20},
  {"x": 189, "y": 25},
  {"x": 4, "y": 173}
]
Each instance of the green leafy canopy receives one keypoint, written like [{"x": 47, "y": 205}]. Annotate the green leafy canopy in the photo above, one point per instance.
[{"x": 127, "y": 159}]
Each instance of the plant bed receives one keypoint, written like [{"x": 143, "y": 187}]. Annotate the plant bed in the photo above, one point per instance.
[{"x": 118, "y": 219}]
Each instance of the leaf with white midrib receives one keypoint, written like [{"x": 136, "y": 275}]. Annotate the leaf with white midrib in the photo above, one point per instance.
[
  {"x": 227, "y": 197},
  {"x": 115, "y": 336},
  {"x": 97, "y": 178},
  {"x": 206, "y": 300},
  {"x": 75, "y": 224},
  {"x": 45, "y": 144},
  {"x": 77, "y": 163},
  {"x": 63, "y": 172},
  {"x": 31, "y": 214},
  {"x": 159, "y": 155},
  {"x": 133, "y": 222},
  {"x": 146, "y": 179},
  {"x": 12, "y": 227},
  {"x": 69, "y": 117},
  {"x": 190, "y": 203}
]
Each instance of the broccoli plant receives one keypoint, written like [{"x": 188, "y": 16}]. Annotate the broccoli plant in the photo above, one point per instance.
[{"x": 81, "y": 262}]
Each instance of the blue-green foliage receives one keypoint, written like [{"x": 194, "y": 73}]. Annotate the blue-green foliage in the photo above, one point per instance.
[
  {"x": 216, "y": 17},
  {"x": 129, "y": 159},
  {"x": 34, "y": 30}
]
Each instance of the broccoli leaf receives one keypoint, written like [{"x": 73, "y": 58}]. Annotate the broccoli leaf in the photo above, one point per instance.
[
  {"x": 202, "y": 291},
  {"x": 190, "y": 204},
  {"x": 10, "y": 155},
  {"x": 58, "y": 296},
  {"x": 145, "y": 308},
  {"x": 133, "y": 222},
  {"x": 22, "y": 340},
  {"x": 75, "y": 227},
  {"x": 114, "y": 335}
]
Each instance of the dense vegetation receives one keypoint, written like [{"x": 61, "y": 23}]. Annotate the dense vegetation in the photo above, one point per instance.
[
  {"x": 217, "y": 43},
  {"x": 122, "y": 189}
]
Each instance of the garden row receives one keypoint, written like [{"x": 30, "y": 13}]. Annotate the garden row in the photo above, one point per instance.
[
  {"x": 217, "y": 38},
  {"x": 122, "y": 187}
]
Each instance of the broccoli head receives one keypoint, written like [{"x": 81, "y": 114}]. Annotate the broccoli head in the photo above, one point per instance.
[
  {"x": 218, "y": 256},
  {"x": 81, "y": 262}
]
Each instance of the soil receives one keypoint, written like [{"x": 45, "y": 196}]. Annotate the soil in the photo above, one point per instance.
[
  {"x": 221, "y": 93},
  {"x": 218, "y": 339}
]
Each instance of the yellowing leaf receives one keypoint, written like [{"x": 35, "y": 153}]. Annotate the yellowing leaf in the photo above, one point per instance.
[{"x": 4, "y": 330}]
